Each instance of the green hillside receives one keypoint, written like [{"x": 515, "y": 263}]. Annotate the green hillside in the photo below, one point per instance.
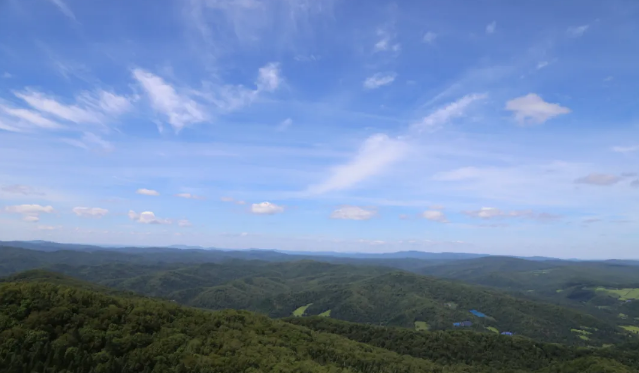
[
  {"x": 473, "y": 349},
  {"x": 45, "y": 327},
  {"x": 373, "y": 295},
  {"x": 66, "y": 329},
  {"x": 602, "y": 289}
]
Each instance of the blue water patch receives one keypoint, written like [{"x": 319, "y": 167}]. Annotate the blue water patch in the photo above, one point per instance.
[{"x": 477, "y": 313}]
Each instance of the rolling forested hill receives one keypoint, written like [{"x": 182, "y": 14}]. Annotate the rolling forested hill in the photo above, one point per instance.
[
  {"x": 608, "y": 290},
  {"x": 566, "y": 302},
  {"x": 374, "y": 295},
  {"x": 46, "y": 327}
]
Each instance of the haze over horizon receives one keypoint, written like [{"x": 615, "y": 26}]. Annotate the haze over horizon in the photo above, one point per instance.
[{"x": 323, "y": 125}]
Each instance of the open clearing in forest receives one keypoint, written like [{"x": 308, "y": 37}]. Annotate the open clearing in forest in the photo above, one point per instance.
[
  {"x": 326, "y": 313},
  {"x": 622, "y": 294},
  {"x": 421, "y": 325},
  {"x": 300, "y": 311},
  {"x": 631, "y": 328},
  {"x": 493, "y": 329},
  {"x": 582, "y": 332}
]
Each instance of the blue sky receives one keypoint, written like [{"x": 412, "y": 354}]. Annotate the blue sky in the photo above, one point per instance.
[{"x": 486, "y": 126}]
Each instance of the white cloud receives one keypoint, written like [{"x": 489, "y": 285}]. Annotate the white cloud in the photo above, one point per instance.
[
  {"x": 532, "y": 109},
  {"x": 64, "y": 8},
  {"x": 30, "y": 213},
  {"x": 385, "y": 42},
  {"x": 20, "y": 189},
  {"x": 90, "y": 141},
  {"x": 147, "y": 217},
  {"x": 285, "y": 124},
  {"x": 90, "y": 212},
  {"x": 491, "y": 27},
  {"x": 6, "y": 75},
  {"x": 435, "y": 215},
  {"x": 180, "y": 110},
  {"x": 232, "y": 200},
  {"x": 577, "y": 31},
  {"x": 184, "y": 223},
  {"x": 147, "y": 192},
  {"x": 269, "y": 77},
  {"x": 492, "y": 212},
  {"x": 429, "y": 37},
  {"x": 374, "y": 156},
  {"x": 31, "y": 117},
  {"x": 625, "y": 149},
  {"x": 353, "y": 213},
  {"x": 232, "y": 97},
  {"x": 189, "y": 196},
  {"x": 444, "y": 114},
  {"x": 107, "y": 102},
  {"x": 599, "y": 179},
  {"x": 542, "y": 64},
  {"x": 379, "y": 79},
  {"x": 266, "y": 208},
  {"x": 91, "y": 108}
]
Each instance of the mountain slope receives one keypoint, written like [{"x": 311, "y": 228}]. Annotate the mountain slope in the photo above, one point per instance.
[
  {"x": 474, "y": 349},
  {"x": 373, "y": 295},
  {"x": 70, "y": 329}
]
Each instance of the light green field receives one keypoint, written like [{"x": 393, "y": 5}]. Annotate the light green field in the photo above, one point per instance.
[
  {"x": 623, "y": 316},
  {"x": 622, "y": 294},
  {"x": 582, "y": 332},
  {"x": 421, "y": 325},
  {"x": 300, "y": 311},
  {"x": 493, "y": 329},
  {"x": 559, "y": 290},
  {"x": 326, "y": 313},
  {"x": 630, "y": 328},
  {"x": 584, "y": 337}
]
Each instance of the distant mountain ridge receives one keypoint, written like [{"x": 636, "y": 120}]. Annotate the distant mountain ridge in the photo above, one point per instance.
[{"x": 55, "y": 246}]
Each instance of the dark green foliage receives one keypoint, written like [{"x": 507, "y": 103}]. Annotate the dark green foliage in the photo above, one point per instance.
[
  {"x": 52, "y": 328},
  {"x": 372, "y": 295},
  {"x": 480, "y": 349}
]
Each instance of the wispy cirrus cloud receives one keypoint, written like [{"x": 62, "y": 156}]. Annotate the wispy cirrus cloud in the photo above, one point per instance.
[
  {"x": 379, "y": 79},
  {"x": 599, "y": 179},
  {"x": 24, "y": 190},
  {"x": 625, "y": 149},
  {"x": 90, "y": 212},
  {"x": 577, "y": 31},
  {"x": 491, "y": 27},
  {"x": 90, "y": 108},
  {"x": 495, "y": 213},
  {"x": 64, "y": 8},
  {"x": 190, "y": 196},
  {"x": 446, "y": 113},
  {"x": 179, "y": 109},
  {"x": 375, "y": 155},
  {"x": 429, "y": 37}
]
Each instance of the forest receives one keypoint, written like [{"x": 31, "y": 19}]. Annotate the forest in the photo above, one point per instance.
[
  {"x": 46, "y": 327},
  {"x": 360, "y": 301}
]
